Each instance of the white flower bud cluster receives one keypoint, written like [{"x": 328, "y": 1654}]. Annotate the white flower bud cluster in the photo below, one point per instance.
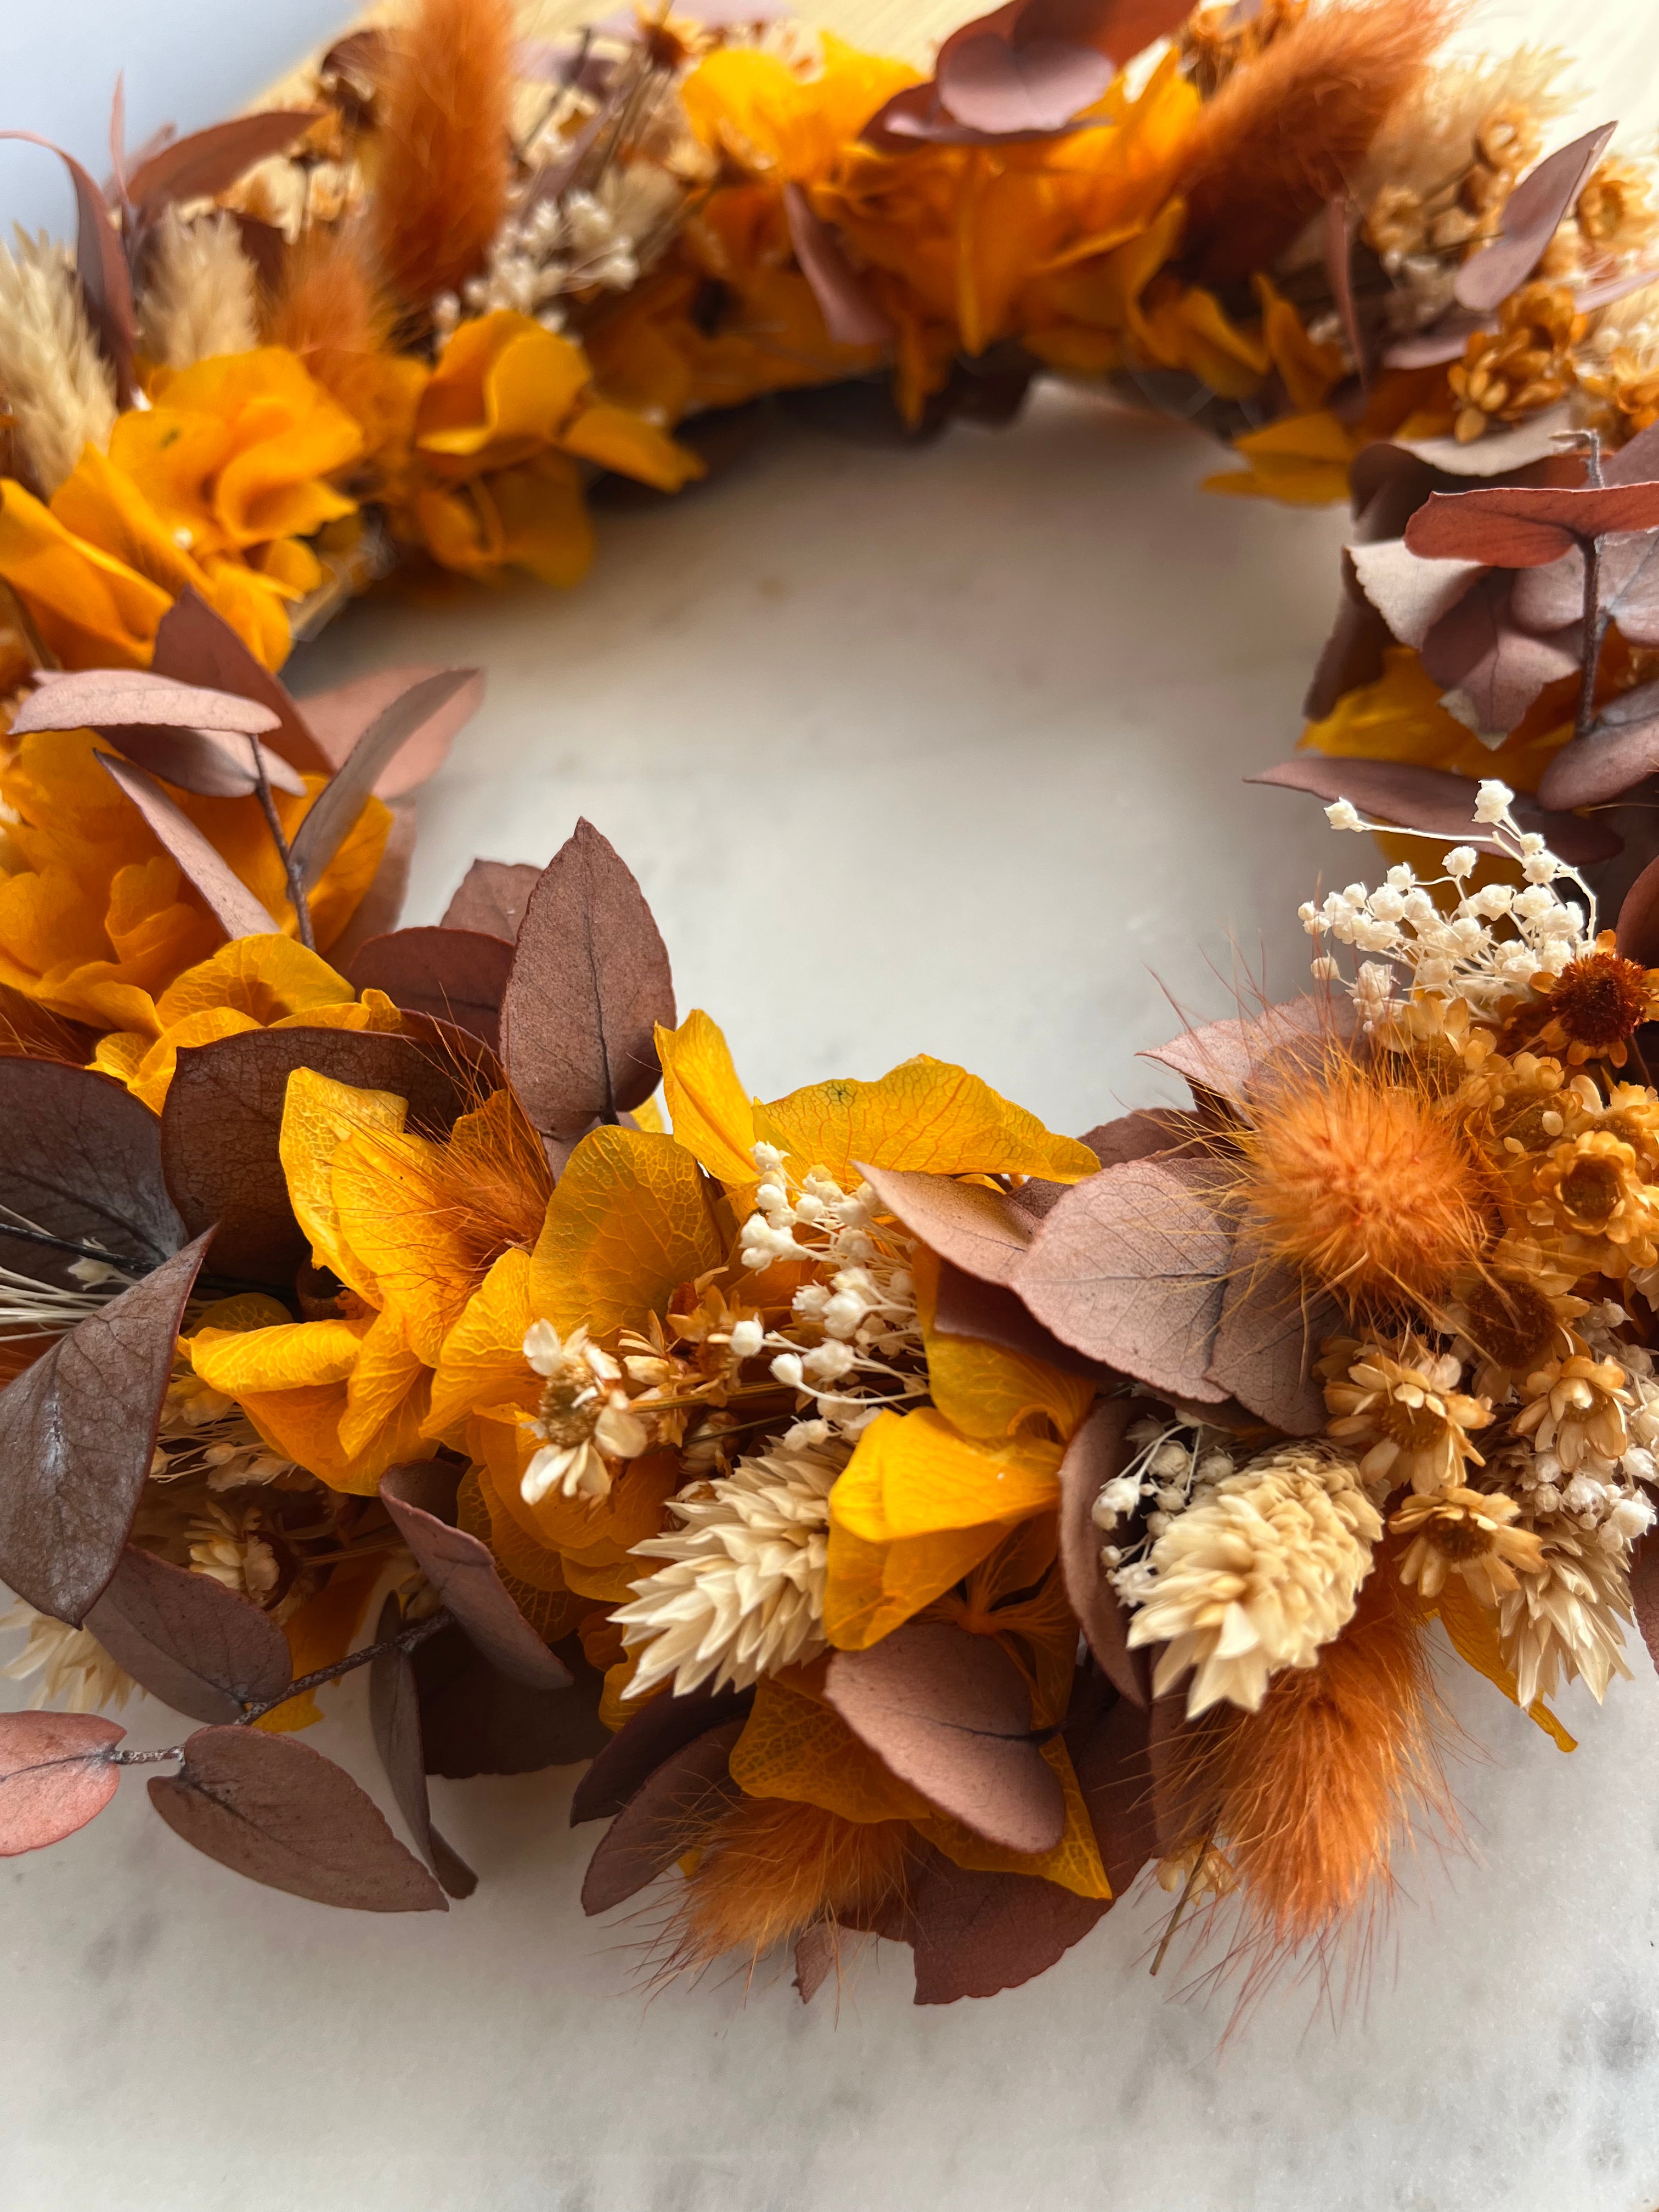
[
  {"x": 1171, "y": 1465},
  {"x": 1602, "y": 1501},
  {"x": 1486, "y": 949},
  {"x": 583, "y": 241},
  {"x": 858, "y": 1316}
]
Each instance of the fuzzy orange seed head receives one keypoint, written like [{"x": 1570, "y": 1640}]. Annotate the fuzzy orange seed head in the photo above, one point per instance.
[{"x": 1366, "y": 1183}]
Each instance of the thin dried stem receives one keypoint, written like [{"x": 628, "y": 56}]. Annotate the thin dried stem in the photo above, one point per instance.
[{"x": 296, "y": 885}]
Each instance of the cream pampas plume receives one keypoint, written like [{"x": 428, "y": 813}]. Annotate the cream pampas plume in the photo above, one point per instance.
[
  {"x": 441, "y": 155},
  {"x": 54, "y": 383},
  {"x": 199, "y": 298}
]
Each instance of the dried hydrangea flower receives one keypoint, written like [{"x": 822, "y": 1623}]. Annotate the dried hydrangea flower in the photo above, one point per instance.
[
  {"x": 1469, "y": 1533},
  {"x": 1404, "y": 1411}
]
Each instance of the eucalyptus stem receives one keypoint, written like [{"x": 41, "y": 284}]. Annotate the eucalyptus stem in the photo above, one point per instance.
[
  {"x": 296, "y": 888},
  {"x": 1595, "y": 621}
]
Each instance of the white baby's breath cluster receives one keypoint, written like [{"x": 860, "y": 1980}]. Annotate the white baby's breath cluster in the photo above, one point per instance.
[
  {"x": 1171, "y": 1462},
  {"x": 583, "y": 241},
  {"x": 856, "y": 1347},
  {"x": 1486, "y": 949}
]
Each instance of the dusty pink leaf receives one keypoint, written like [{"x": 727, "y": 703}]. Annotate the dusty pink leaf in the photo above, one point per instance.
[
  {"x": 476, "y": 1720},
  {"x": 1129, "y": 1268},
  {"x": 272, "y": 1809},
  {"x": 654, "y": 1732},
  {"x": 1108, "y": 1738},
  {"x": 344, "y": 797},
  {"x": 102, "y": 268},
  {"x": 224, "y": 1118},
  {"x": 196, "y": 646},
  {"x": 1635, "y": 462},
  {"x": 1645, "y": 1591},
  {"x": 850, "y": 315},
  {"x": 950, "y": 1714},
  {"x": 395, "y": 1714},
  {"x": 82, "y": 1162},
  {"x": 977, "y": 1230},
  {"x": 1270, "y": 1331},
  {"x": 1137, "y": 1136},
  {"x": 338, "y": 717},
  {"x": 974, "y": 1935},
  {"x": 1492, "y": 670},
  {"x": 463, "y": 1575},
  {"x": 1638, "y": 918},
  {"x": 188, "y": 1640},
  {"x": 379, "y": 909},
  {"x": 56, "y": 1774},
  {"x": 990, "y": 1313},
  {"x": 1524, "y": 525},
  {"x": 1118, "y": 27},
  {"x": 998, "y": 87},
  {"x": 1409, "y": 592},
  {"x": 492, "y": 898},
  {"x": 208, "y": 162},
  {"x": 1550, "y": 598},
  {"x": 693, "y": 1785},
  {"x": 457, "y": 974},
  {"x": 1095, "y": 1455},
  {"x": 590, "y": 983},
  {"x": 227, "y": 898},
  {"x": 1444, "y": 340},
  {"x": 110, "y": 699},
  {"x": 1531, "y": 217},
  {"x": 816, "y": 1955},
  {"x": 1227, "y": 1058},
  {"x": 1619, "y": 753},
  {"x": 1502, "y": 451},
  {"x": 77, "y": 1429},
  {"x": 1432, "y": 800}
]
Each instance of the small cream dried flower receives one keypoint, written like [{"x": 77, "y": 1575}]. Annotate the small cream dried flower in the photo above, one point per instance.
[
  {"x": 1469, "y": 1533},
  {"x": 1577, "y": 1406},
  {"x": 1403, "y": 1410},
  {"x": 583, "y": 1419},
  {"x": 1563, "y": 1620},
  {"x": 1256, "y": 1575}
]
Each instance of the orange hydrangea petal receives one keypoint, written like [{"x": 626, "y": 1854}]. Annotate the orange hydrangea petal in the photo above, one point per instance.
[
  {"x": 616, "y": 438},
  {"x": 319, "y": 1115},
  {"x": 925, "y": 1114},
  {"x": 502, "y": 386},
  {"x": 708, "y": 1109},
  {"x": 627, "y": 1224},
  {"x": 792, "y": 1745},
  {"x": 985, "y": 1391}
]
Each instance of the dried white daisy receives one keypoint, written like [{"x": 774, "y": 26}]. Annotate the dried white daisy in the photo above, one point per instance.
[
  {"x": 742, "y": 1594},
  {"x": 583, "y": 1419}
]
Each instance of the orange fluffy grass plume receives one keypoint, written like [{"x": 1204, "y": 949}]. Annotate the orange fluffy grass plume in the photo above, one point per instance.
[
  {"x": 767, "y": 1869},
  {"x": 442, "y": 154},
  {"x": 325, "y": 305},
  {"x": 1361, "y": 1176},
  {"x": 1288, "y": 129},
  {"x": 1312, "y": 1795}
]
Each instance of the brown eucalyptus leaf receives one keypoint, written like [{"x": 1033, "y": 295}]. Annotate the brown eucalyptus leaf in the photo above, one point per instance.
[
  {"x": 344, "y": 797},
  {"x": 457, "y": 974},
  {"x": 395, "y": 1714},
  {"x": 950, "y": 1714},
  {"x": 1095, "y": 1455},
  {"x": 228, "y": 900},
  {"x": 492, "y": 898},
  {"x": 975, "y": 1933},
  {"x": 656, "y": 1729},
  {"x": 1121, "y": 28},
  {"x": 1137, "y": 1136},
  {"x": 1270, "y": 1331},
  {"x": 208, "y": 162},
  {"x": 1524, "y": 525},
  {"x": 1338, "y": 233},
  {"x": 1409, "y": 592},
  {"x": 337, "y": 718},
  {"x": 381, "y": 905},
  {"x": 272, "y": 1809},
  {"x": 590, "y": 983},
  {"x": 116, "y": 700},
  {"x": 77, "y": 1429},
  {"x": 991, "y": 1313},
  {"x": 101, "y": 266},
  {"x": 1444, "y": 340},
  {"x": 193, "y": 645},
  {"x": 1636, "y": 462},
  {"x": 1508, "y": 451},
  {"x": 1638, "y": 918},
  {"x": 206, "y": 762},
  {"x": 1616, "y": 755},
  {"x": 188, "y": 1640},
  {"x": 222, "y": 1121},
  {"x": 1431, "y": 800},
  {"x": 1111, "y": 1757},
  {"x": 850, "y": 315},
  {"x": 464, "y": 1576},
  {"x": 1227, "y": 1058},
  {"x": 56, "y": 1774},
  {"x": 1532, "y": 214},
  {"x": 659, "y": 1821},
  {"x": 80, "y": 1161},
  {"x": 1129, "y": 1268},
  {"x": 1491, "y": 670},
  {"x": 475, "y": 1720},
  {"x": 1644, "y": 1584},
  {"x": 975, "y": 1229},
  {"x": 1037, "y": 86},
  {"x": 816, "y": 1957}
]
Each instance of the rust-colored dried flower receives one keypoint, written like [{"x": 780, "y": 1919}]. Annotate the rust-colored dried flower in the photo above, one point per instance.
[
  {"x": 1615, "y": 211},
  {"x": 1467, "y": 1533},
  {"x": 1596, "y": 1004},
  {"x": 1516, "y": 1314}
]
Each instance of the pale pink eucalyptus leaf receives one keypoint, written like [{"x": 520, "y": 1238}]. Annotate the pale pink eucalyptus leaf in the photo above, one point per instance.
[
  {"x": 997, "y": 87},
  {"x": 56, "y": 1774},
  {"x": 1410, "y": 593},
  {"x": 1271, "y": 1327},
  {"x": 850, "y": 315},
  {"x": 227, "y": 898},
  {"x": 337, "y": 718},
  {"x": 1490, "y": 669},
  {"x": 1433, "y": 800},
  {"x": 1532, "y": 214},
  {"x": 977, "y": 1230},
  {"x": 208, "y": 162}
]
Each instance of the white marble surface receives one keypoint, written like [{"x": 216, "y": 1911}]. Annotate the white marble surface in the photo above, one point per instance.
[{"x": 930, "y": 751}]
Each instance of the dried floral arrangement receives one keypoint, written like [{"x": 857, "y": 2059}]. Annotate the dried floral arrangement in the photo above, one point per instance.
[{"x": 920, "y": 1521}]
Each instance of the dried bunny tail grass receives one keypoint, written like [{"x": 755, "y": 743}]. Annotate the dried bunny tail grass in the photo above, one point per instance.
[
  {"x": 1290, "y": 130},
  {"x": 1429, "y": 135},
  {"x": 54, "y": 383},
  {"x": 768, "y": 1869},
  {"x": 200, "y": 293},
  {"x": 441, "y": 156},
  {"x": 1313, "y": 1796},
  {"x": 326, "y": 302}
]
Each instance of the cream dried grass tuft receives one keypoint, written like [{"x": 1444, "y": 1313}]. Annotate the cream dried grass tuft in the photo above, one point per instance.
[
  {"x": 54, "y": 382},
  {"x": 200, "y": 296}
]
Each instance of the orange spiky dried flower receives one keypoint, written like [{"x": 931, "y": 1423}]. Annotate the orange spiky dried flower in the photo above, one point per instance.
[
  {"x": 442, "y": 155},
  {"x": 768, "y": 1868}
]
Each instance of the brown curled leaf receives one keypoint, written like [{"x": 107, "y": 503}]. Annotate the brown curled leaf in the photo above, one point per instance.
[
  {"x": 1109, "y": 1741},
  {"x": 82, "y": 1161},
  {"x": 1270, "y": 1333},
  {"x": 101, "y": 266},
  {"x": 208, "y": 162},
  {"x": 1491, "y": 670},
  {"x": 492, "y": 898},
  {"x": 1095, "y": 1455},
  {"x": 1525, "y": 526},
  {"x": 194, "y": 645},
  {"x": 395, "y": 1713},
  {"x": 77, "y": 1430},
  {"x": 1532, "y": 214},
  {"x": 56, "y": 1774},
  {"x": 1638, "y": 918},
  {"x": 1432, "y": 800},
  {"x": 343, "y": 799},
  {"x": 977, "y": 1230},
  {"x": 228, "y": 899},
  {"x": 950, "y": 1714},
  {"x": 975, "y": 1933},
  {"x": 656, "y": 1731},
  {"x": 188, "y": 1640},
  {"x": 475, "y": 1720},
  {"x": 464, "y": 1576},
  {"x": 662, "y": 1817},
  {"x": 457, "y": 974},
  {"x": 590, "y": 984},
  {"x": 272, "y": 1809},
  {"x": 993, "y": 1313}
]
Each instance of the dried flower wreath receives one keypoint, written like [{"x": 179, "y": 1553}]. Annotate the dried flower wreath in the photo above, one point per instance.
[{"x": 921, "y": 1520}]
